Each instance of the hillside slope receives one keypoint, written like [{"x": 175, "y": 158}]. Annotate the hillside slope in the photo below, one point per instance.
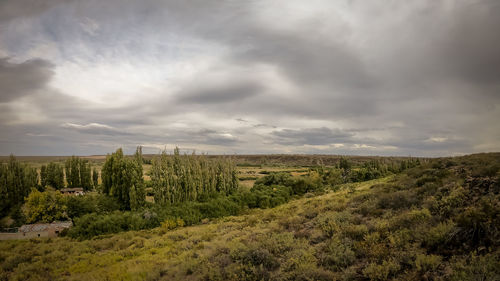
[{"x": 434, "y": 222}]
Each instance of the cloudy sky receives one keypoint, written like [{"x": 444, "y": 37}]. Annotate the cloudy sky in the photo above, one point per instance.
[{"x": 357, "y": 77}]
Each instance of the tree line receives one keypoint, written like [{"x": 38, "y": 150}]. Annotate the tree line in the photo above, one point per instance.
[
  {"x": 76, "y": 172},
  {"x": 181, "y": 178},
  {"x": 122, "y": 178},
  {"x": 16, "y": 181}
]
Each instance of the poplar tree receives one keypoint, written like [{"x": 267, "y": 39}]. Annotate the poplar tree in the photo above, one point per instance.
[
  {"x": 95, "y": 178},
  {"x": 179, "y": 178},
  {"x": 75, "y": 171},
  {"x": 16, "y": 182},
  {"x": 122, "y": 178},
  {"x": 43, "y": 176},
  {"x": 85, "y": 177},
  {"x": 52, "y": 175},
  {"x": 67, "y": 168}
]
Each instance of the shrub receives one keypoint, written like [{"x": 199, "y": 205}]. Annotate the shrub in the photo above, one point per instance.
[
  {"x": 258, "y": 256},
  {"x": 263, "y": 196},
  {"x": 383, "y": 271},
  {"x": 400, "y": 238},
  {"x": 355, "y": 231},
  {"x": 94, "y": 224},
  {"x": 403, "y": 199},
  {"x": 454, "y": 200},
  {"x": 411, "y": 218},
  {"x": 478, "y": 224},
  {"x": 338, "y": 254},
  {"x": 284, "y": 179},
  {"x": 332, "y": 223},
  {"x": 476, "y": 268},
  {"x": 438, "y": 236},
  {"x": 172, "y": 223},
  {"x": 425, "y": 263},
  {"x": 78, "y": 206}
]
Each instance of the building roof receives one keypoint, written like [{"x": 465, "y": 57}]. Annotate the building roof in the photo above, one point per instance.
[
  {"x": 74, "y": 189},
  {"x": 44, "y": 226}
]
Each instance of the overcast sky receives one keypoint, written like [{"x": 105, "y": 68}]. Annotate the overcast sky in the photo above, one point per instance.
[{"x": 357, "y": 77}]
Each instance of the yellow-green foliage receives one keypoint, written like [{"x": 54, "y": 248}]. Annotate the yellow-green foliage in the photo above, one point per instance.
[
  {"x": 427, "y": 262},
  {"x": 382, "y": 271},
  {"x": 46, "y": 206},
  {"x": 172, "y": 223},
  {"x": 439, "y": 234}
]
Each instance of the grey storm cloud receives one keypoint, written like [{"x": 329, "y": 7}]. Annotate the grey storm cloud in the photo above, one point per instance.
[
  {"x": 222, "y": 93},
  {"x": 10, "y": 10},
  {"x": 21, "y": 79},
  {"x": 312, "y": 136},
  {"x": 399, "y": 77}
]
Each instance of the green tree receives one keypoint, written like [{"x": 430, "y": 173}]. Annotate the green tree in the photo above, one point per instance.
[
  {"x": 95, "y": 178},
  {"x": 122, "y": 178},
  {"x": 78, "y": 173},
  {"x": 75, "y": 171},
  {"x": 179, "y": 178},
  {"x": 52, "y": 175},
  {"x": 85, "y": 175},
  {"x": 16, "y": 181},
  {"x": 345, "y": 165},
  {"x": 43, "y": 176},
  {"x": 46, "y": 206}
]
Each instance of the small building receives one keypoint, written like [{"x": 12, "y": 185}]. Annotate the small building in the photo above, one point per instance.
[
  {"x": 72, "y": 191},
  {"x": 36, "y": 230},
  {"x": 44, "y": 229}
]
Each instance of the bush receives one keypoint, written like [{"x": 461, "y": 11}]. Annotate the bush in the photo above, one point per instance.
[
  {"x": 333, "y": 223},
  {"x": 403, "y": 199},
  {"x": 263, "y": 196},
  {"x": 284, "y": 179},
  {"x": 383, "y": 271},
  {"x": 425, "y": 263},
  {"x": 91, "y": 225},
  {"x": 299, "y": 186},
  {"x": 476, "y": 268},
  {"x": 411, "y": 218},
  {"x": 478, "y": 225},
  {"x": 455, "y": 200},
  {"x": 260, "y": 257},
  {"x": 338, "y": 254},
  {"x": 438, "y": 236},
  {"x": 172, "y": 223}
]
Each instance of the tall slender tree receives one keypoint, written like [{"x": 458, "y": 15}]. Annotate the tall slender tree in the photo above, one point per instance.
[
  {"x": 52, "y": 175},
  {"x": 122, "y": 178},
  {"x": 179, "y": 178},
  {"x": 16, "y": 181},
  {"x": 95, "y": 178}
]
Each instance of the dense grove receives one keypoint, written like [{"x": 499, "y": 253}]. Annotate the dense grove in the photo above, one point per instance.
[
  {"x": 16, "y": 182},
  {"x": 436, "y": 221},
  {"x": 122, "y": 179},
  {"x": 78, "y": 173},
  {"x": 189, "y": 177},
  {"x": 52, "y": 175}
]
